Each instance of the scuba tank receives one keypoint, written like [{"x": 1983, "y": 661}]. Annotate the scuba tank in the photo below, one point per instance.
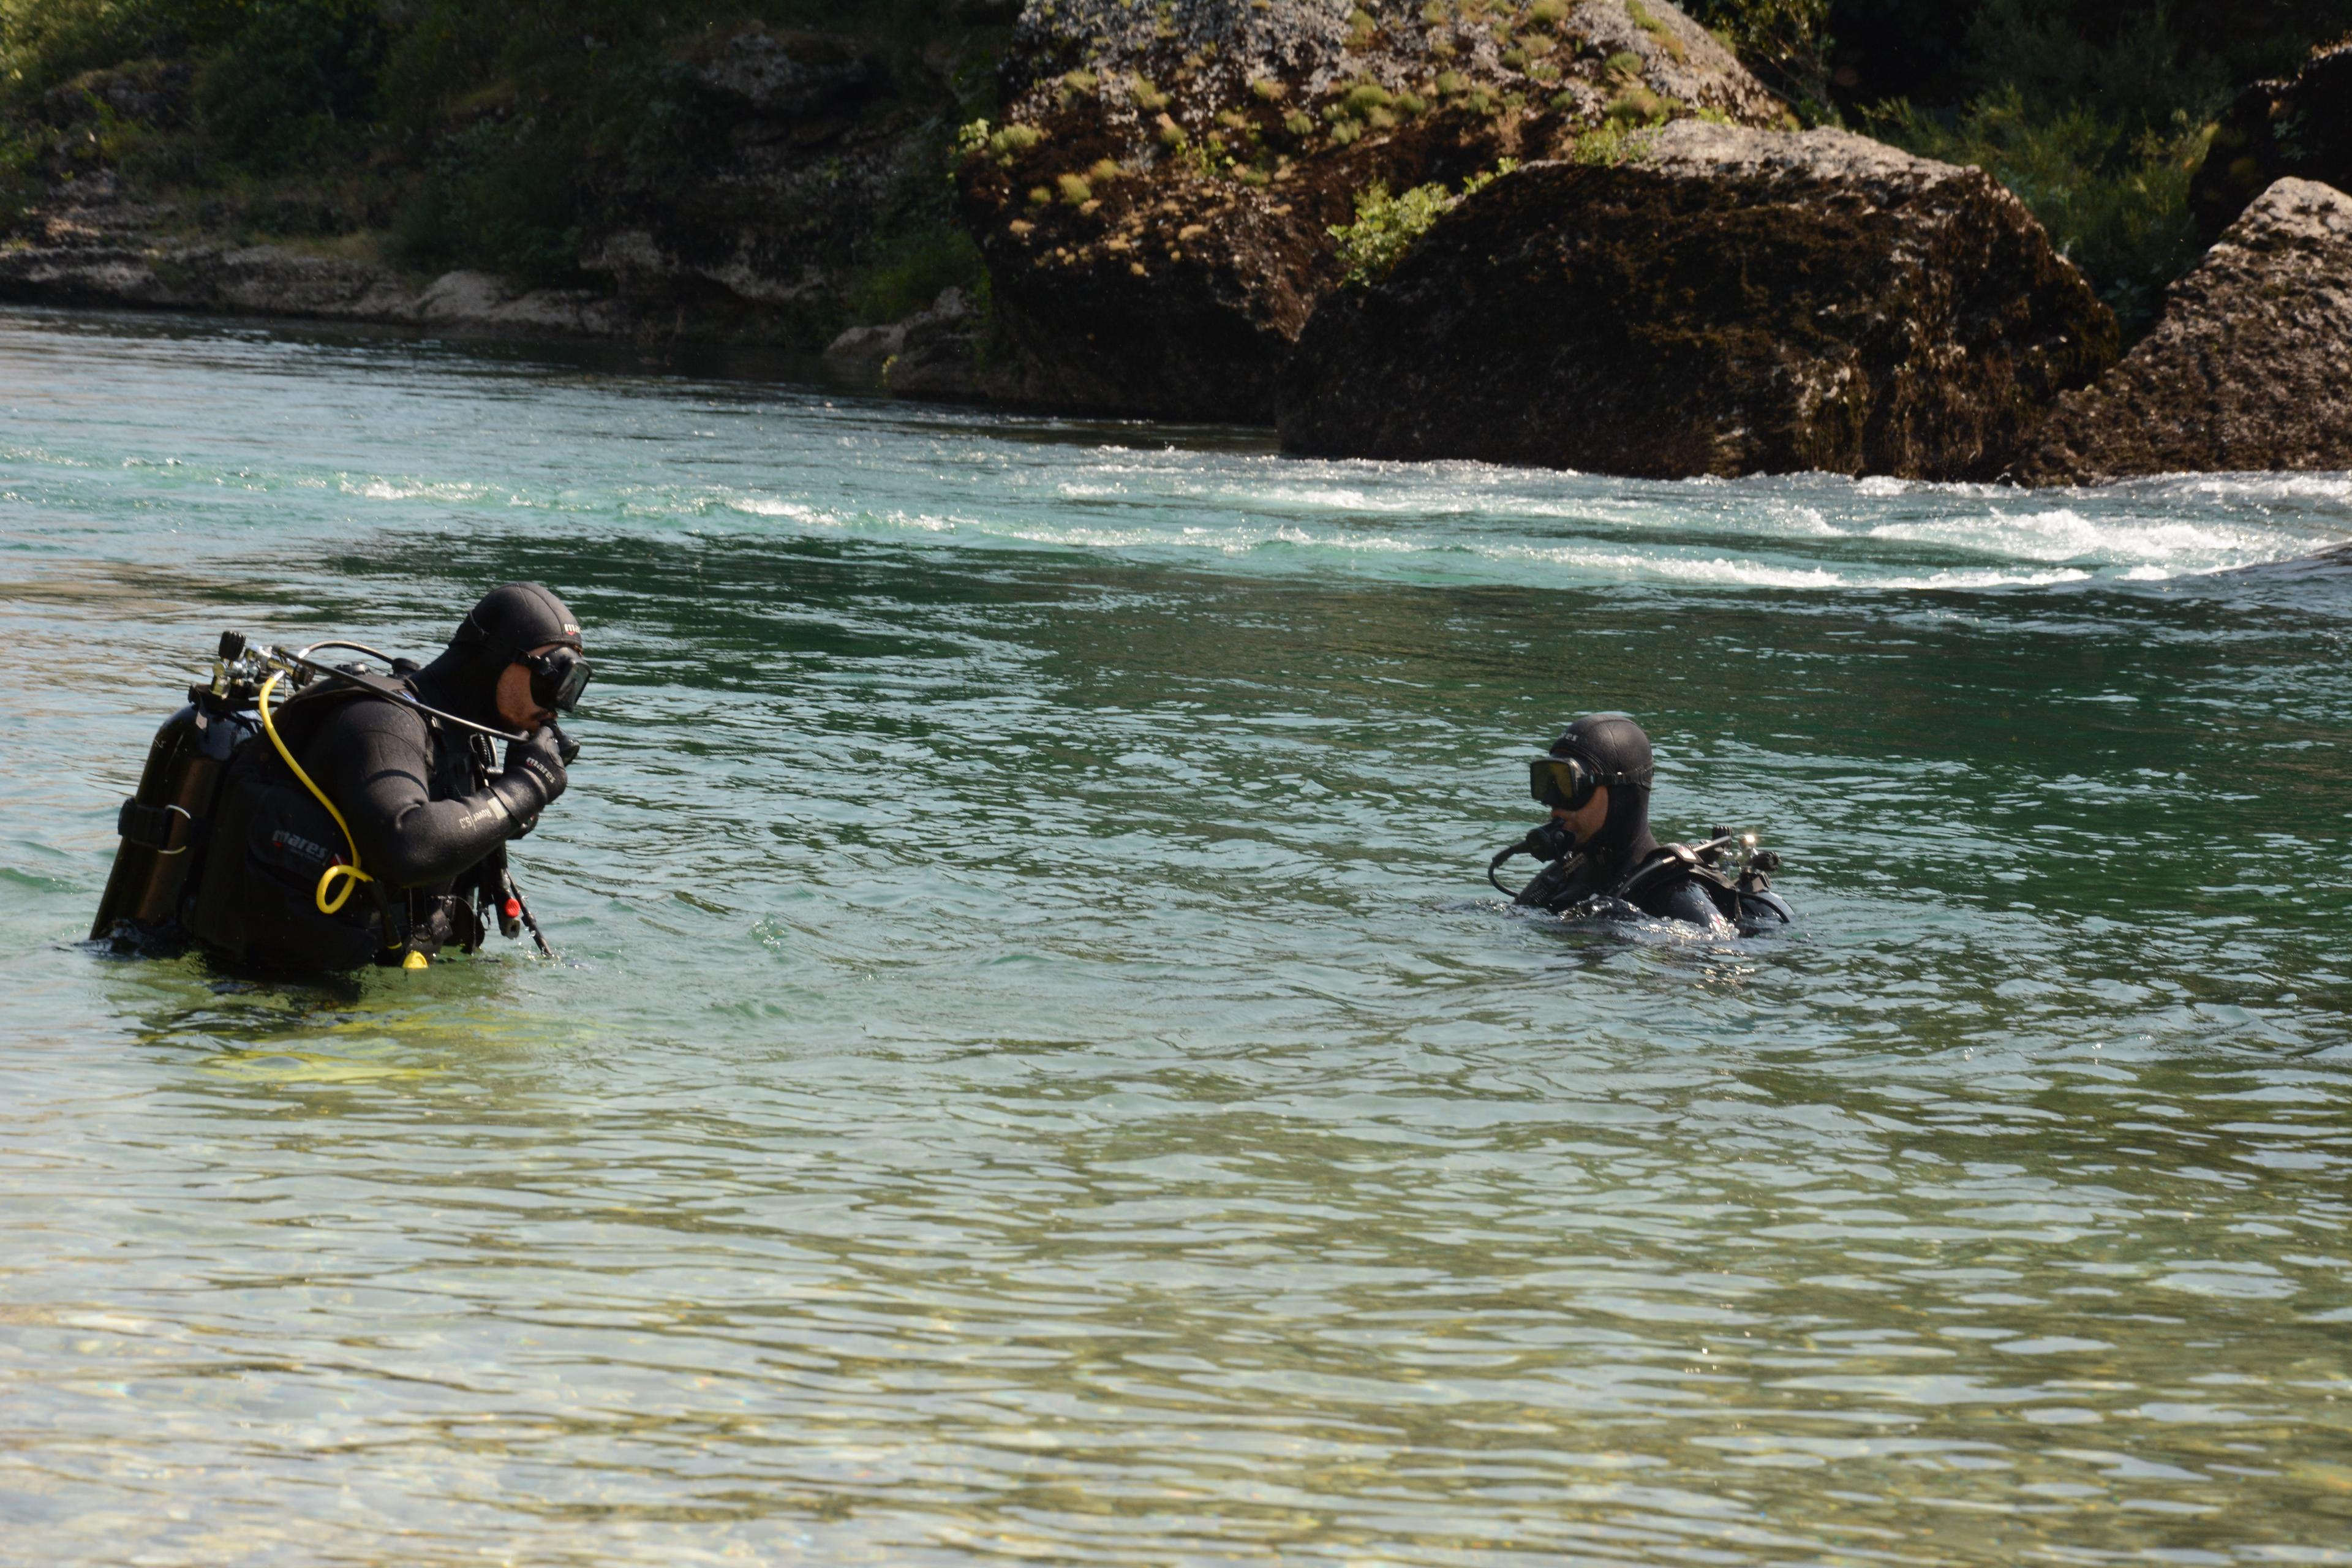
[
  {"x": 1747, "y": 900},
  {"x": 165, "y": 828}
]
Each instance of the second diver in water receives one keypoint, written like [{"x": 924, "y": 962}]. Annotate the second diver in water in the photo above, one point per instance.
[{"x": 1603, "y": 859}]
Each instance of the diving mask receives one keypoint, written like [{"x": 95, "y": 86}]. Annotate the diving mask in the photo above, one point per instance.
[
  {"x": 1565, "y": 783},
  {"x": 558, "y": 677}
]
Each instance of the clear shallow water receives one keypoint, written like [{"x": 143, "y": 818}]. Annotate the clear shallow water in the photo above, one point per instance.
[{"x": 1039, "y": 1075}]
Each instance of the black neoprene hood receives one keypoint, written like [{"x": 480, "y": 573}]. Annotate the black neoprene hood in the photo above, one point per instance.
[
  {"x": 1615, "y": 748},
  {"x": 1613, "y": 744},
  {"x": 509, "y": 623}
]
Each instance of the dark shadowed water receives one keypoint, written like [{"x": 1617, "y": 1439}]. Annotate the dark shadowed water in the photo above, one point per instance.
[{"x": 1038, "y": 1074}]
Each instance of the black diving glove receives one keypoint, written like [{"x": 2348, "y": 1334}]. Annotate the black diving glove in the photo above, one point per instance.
[{"x": 533, "y": 779}]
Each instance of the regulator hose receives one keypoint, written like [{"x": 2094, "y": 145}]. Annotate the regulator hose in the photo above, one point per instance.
[
  {"x": 1546, "y": 841},
  {"x": 351, "y": 874}
]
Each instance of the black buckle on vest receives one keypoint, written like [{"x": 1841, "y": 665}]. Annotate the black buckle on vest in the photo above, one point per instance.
[{"x": 152, "y": 827}]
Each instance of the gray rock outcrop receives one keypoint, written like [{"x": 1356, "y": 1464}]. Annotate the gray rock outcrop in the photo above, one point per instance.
[
  {"x": 931, "y": 354},
  {"x": 97, "y": 251},
  {"x": 1722, "y": 301},
  {"x": 1157, "y": 210},
  {"x": 2250, "y": 367}
]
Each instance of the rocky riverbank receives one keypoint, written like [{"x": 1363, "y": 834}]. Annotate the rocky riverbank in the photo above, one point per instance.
[
  {"x": 1724, "y": 302},
  {"x": 1157, "y": 207},
  {"x": 2250, "y": 367},
  {"x": 94, "y": 250},
  {"x": 1566, "y": 232},
  {"x": 786, "y": 181}
]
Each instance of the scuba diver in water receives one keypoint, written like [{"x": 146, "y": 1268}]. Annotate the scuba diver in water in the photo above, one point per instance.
[
  {"x": 1603, "y": 858},
  {"x": 389, "y": 784}
]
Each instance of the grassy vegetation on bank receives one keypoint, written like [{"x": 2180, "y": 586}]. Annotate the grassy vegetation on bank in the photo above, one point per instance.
[{"x": 492, "y": 134}]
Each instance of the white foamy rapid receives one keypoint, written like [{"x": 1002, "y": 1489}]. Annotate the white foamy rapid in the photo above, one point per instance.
[{"x": 716, "y": 460}]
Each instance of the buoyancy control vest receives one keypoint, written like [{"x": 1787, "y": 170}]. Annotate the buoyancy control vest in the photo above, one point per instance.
[
  {"x": 1667, "y": 880},
  {"x": 273, "y": 838}
]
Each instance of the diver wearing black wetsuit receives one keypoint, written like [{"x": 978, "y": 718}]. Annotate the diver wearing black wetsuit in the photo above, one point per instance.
[
  {"x": 1596, "y": 779},
  {"x": 427, "y": 812}
]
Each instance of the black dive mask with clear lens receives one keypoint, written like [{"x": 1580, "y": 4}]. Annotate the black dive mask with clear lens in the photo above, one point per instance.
[
  {"x": 1564, "y": 783},
  {"x": 557, "y": 678}
]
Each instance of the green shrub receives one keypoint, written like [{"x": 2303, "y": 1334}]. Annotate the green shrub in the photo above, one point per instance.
[
  {"x": 1636, "y": 105},
  {"x": 1650, "y": 23},
  {"x": 21, "y": 185},
  {"x": 44, "y": 43},
  {"x": 297, "y": 80},
  {"x": 1012, "y": 140},
  {"x": 498, "y": 199},
  {"x": 1610, "y": 145},
  {"x": 1785, "y": 42},
  {"x": 2114, "y": 198},
  {"x": 907, "y": 268},
  {"x": 1387, "y": 225}
]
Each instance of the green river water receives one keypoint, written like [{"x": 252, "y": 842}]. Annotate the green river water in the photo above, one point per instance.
[{"x": 1036, "y": 1073}]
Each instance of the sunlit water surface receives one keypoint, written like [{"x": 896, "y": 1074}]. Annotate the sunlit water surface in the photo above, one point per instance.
[{"x": 1036, "y": 1074}]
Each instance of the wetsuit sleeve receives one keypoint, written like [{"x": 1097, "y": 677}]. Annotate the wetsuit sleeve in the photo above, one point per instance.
[{"x": 374, "y": 761}]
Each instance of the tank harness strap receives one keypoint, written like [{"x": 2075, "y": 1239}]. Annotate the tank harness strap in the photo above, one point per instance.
[
  {"x": 1662, "y": 859},
  {"x": 1678, "y": 858},
  {"x": 350, "y": 874},
  {"x": 165, "y": 829}
]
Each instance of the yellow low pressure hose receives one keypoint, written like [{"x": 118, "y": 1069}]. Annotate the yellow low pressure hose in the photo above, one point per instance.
[{"x": 351, "y": 874}]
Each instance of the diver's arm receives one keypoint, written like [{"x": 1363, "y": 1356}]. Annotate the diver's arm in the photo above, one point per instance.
[{"x": 374, "y": 761}]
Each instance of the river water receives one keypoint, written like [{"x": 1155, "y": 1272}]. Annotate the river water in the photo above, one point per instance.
[{"x": 1035, "y": 1072}]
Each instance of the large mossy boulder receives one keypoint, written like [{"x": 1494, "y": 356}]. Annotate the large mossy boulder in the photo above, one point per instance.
[
  {"x": 1157, "y": 208},
  {"x": 2250, "y": 367},
  {"x": 1722, "y": 301}
]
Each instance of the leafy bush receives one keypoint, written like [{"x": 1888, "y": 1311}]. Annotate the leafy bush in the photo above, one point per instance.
[
  {"x": 46, "y": 42},
  {"x": 298, "y": 79},
  {"x": 498, "y": 199},
  {"x": 2114, "y": 198},
  {"x": 1387, "y": 225},
  {"x": 1610, "y": 144},
  {"x": 908, "y": 268},
  {"x": 1786, "y": 43}
]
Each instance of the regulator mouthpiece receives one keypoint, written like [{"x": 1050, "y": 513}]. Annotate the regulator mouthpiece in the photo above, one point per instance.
[{"x": 1546, "y": 841}]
